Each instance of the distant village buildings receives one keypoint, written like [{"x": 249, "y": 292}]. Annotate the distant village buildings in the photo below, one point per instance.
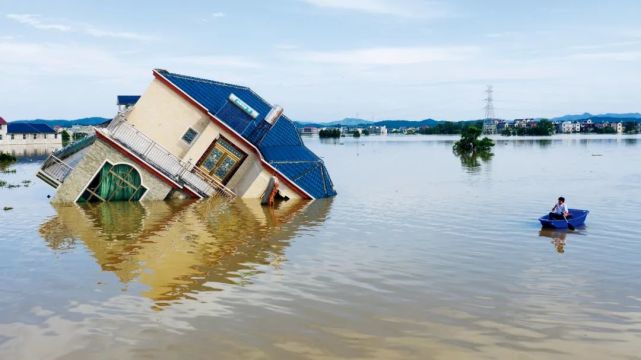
[
  {"x": 27, "y": 134},
  {"x": 345, "y": 130}
]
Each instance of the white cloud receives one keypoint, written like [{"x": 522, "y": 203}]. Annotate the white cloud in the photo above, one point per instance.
[
  {"x": 634, "y": 55},
  {"x": 401, "y": 8},
  {"x": 37, "y": 59},
  {"x": 116, "y": 34},
  {"x": 213, "y": 61},
  {"x": 218, "y": 14},
  {"x": 391, "y": 55},
  {"x": 36, "y": 22},
  {"x": 285, "y": 46}
]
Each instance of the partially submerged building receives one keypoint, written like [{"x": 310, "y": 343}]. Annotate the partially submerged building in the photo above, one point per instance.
[
  {"x": 27, "y": 134},
  {"x": 189, "y": 137}
]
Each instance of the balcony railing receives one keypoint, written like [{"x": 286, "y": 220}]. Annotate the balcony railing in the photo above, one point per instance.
[
  {"x": 167, "y": 163},
  {"x": 55, "y": 168}
]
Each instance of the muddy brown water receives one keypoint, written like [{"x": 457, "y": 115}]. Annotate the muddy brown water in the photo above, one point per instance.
[{"x": 421, "y": 255}]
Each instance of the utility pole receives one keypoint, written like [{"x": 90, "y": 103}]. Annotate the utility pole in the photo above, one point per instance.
[{"x": 489, "y": 122}]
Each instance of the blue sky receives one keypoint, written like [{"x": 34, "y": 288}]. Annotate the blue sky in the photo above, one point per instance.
[{"x": 324, "y": 60}]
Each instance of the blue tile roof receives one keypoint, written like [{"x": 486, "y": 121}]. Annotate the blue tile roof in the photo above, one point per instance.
[
  {"x": 280, "y": 144},
  {"x": 24, "y": 128},
  {"x": 128, "y": 99}
]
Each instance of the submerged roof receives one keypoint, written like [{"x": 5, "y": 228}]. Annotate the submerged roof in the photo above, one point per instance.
[
  {"x": 23, "y": 128},
  {"x": 280, "y": 144},
  {"x": 128, "y": 99}
]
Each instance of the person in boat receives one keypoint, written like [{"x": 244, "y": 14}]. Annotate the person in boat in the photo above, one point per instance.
[{"x": 560, "y": 210}]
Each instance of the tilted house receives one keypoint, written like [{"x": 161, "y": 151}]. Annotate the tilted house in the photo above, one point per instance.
[{"x": 192, "y": 137}]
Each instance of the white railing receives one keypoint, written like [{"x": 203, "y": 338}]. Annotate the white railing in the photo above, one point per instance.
[
  {"x": 167, "y": 163},
  {"x": 56, "y": 168}
]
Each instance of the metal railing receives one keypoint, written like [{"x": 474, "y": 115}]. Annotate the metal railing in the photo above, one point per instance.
[
  {"x": 167, "y": 163},
  {"x": 55, "y": 168},
  {"x": 74, "y": 147}
]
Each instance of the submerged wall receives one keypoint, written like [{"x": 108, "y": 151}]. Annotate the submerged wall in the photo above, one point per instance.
[{"x": 92, "y": 162}]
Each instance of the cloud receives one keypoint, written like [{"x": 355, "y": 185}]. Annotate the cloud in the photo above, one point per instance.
[
  {"x": 634, "y": 55},
  {"x": 213, "y": 61},
  {"x": 218, "y": 14},
  {"x": 35, "y": 22},
  {"x": 285, "y": 46},
  {"x": 391, "y": 55},
  {"x": 400, "y": 8},
  {"x": 116, "y": 34},
  {"x": 32, "y": 59}
]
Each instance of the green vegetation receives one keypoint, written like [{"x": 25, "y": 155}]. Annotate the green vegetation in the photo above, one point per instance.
[
  {"x": 7, "y": 208},
  {"x": 6, "y": 158},
  {"x": 329, "y": 133},
  {"x": 604, "y": 130},
  {"x": 449, "y": 128},
  {"x": 631, "y": 127},
  {"x": 471, "y": 144},
  {"x": 365, "y": 132},
  {"x": 356, "y": 134},
  {"x": 65, "y": 138}
]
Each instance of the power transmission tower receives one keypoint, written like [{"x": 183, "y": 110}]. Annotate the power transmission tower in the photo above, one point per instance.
[{"x": 489, "y": 123}]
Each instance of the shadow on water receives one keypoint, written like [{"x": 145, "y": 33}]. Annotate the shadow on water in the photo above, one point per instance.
[{"x": 175, "y": 249}]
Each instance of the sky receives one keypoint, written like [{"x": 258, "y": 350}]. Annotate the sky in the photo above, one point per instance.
[{"x": 323, "y": 60}]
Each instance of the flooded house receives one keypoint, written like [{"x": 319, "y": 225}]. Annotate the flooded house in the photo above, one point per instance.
[
  {"x": 27, "y": 134},
  {"x": 188, "y": 137}
]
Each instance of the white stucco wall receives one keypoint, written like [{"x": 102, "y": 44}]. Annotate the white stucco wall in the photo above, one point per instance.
[{"x": 28, "y": 139}]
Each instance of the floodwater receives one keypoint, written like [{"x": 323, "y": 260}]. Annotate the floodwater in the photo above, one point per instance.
[{"x": 421, "y": 255}]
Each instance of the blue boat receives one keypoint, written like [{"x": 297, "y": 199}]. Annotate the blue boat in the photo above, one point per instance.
[{"x": 577, "y": 219}]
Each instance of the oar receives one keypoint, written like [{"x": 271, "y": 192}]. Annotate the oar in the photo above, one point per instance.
[{"x": 570, "y": 226}]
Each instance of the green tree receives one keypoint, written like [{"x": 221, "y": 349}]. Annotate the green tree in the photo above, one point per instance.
[
  {"x": 65, "y": 138},
  {"x": 470, "y": 143},
  {"x": 329, "y": 133}
]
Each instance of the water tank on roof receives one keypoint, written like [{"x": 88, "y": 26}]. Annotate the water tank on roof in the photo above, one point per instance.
[{"x": 274, "y": 114}]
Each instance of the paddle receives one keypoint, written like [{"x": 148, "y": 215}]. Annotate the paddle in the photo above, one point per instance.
[{"x": 570, "y": 226}]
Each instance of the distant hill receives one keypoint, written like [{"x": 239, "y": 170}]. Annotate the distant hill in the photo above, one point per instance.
[
  {"x": 395, "y": 124},
  {"x": 601, "y": 117},
  {"x": 344, "y": 122},
  {"x": 66, "y": 123},
  {"x": 392, "y": 124}
]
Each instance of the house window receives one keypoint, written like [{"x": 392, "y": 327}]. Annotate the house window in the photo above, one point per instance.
[
  {"x": 55, "y": 136},
  {"x": 190, "y": 135},
  {"x": 222, "y": 159},
  {"x": 45, "y": 136},
  {"x": 24, "y": 136},
  {"x": 35, "y": 136},
  {"x": 0, "y": 135},
  {"x": 12, "y": 136},
  {"x": 114, "y": 183}
]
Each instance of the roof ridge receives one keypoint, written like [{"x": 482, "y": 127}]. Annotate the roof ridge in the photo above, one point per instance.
[
  {"x": 209, "y": 81},
  {"x": 194, "y": 78}
]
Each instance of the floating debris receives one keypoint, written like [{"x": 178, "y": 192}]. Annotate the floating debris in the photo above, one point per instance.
[{"x": 7, "y": 208}]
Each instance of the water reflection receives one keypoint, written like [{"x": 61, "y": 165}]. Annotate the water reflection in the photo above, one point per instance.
[
  {"x": 175, "y": 249},
  {"x": 472, "y": 161},
  {"x": 557, "y": 238}
]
